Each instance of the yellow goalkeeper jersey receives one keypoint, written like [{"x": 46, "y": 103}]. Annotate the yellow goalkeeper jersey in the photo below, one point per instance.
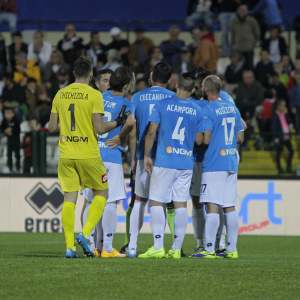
[{"x": 75, "y": 105}]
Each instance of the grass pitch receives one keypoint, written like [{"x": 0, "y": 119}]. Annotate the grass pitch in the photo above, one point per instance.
[{"x": 32, "y": 266}]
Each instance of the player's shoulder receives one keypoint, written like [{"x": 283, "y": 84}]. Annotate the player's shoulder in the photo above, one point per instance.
[
  {"x": 106, "y": 93},
  {"x": 226, "y": 97}
]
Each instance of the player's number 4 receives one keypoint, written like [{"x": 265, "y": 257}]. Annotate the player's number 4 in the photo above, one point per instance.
[
  {"x": 179, "y": 134},
  {"x": 228, "y": 138}
]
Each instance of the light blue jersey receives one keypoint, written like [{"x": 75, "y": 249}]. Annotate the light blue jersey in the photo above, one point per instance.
[
  {"x": 112, "y": 107},
  {"x": 179, "y": 121},
  {"x": 144, "y": 102},
  {"x": 223, "y": 119},
  {"x": 226, "y": 97}
]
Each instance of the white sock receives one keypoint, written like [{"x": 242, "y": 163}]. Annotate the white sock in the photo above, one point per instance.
[
  {"x": 198, "y": 220},
  {"x": 211, "y": 228},
  {"x": 99, "y": 235},
  {"x": 136, "y": 222},
  {"x": 85, "y": 213},
  {"x": 180, "y": 224},
  {"x": 232, "y": 223},
  {"x": 157, "y": 223},
  {"x": 109, "y": 225},
  {"x": 220, "y": 229}
]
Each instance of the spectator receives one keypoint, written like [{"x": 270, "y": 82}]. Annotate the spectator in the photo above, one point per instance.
[
  {"x": 96, "y": 50},
  {"x": 283, "y": 77},
  {"x": 270, "y": 11},
  {"x": 281, "y": 91},
  {"x": 1, "y": 113},
  {"x": 203, "y": 14},
  {"x": 112, "y": 60},
  {"x": 234, "y": 71},
  {"x": 227, "y": 12},
  {"x": 16, "y": 46},
  {"x": 264, "y": 69},
  {"x": 140, "y": 85},
  {"x": 171, "y": 48},
  {"x": 63, "y": 78},
  {"x": 13, "y": 97},
  {"x": 267, "y": 112},
  {"x": 295, "y": 102},
  {"x": 71, "y": 45},
  {"x": 27, "y": 146},
  {"x": 53, "y": 66},
  {"x": 9, "y": 14},
  {"x": 196, "y": 35},
  {"x": 172, "y": 86},
  {"x": 207, "y": 53},
  {"x": 155, "y": 56},
  {"x": 245, "y": 33},
  {"x": 281, "y": 133},
  {"x": 40, "y": 50},
  {"x": 139, "y": 50},
  {"x": 44, "y": 105},
  {"x": 11, "y": 127},
  {"x": 297, "y": 29},
  {"x": 225, "y": 85},
  {"x": 3, "y": 58},
  {"x": 275, "y": 45},
  {"x": 31, "y": 95},
  {"x": 185, "y": 64},
  {"x": 293, "y": 73},
  {"x": 26, "y": 68},
  {"x": 287, "y": 64},
  {"x": 119, "y": 44},
  {"x": 249, "y": 94}
]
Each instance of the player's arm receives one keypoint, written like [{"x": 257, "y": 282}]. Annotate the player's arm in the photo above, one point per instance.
[
  {"x": 244, "y": 124},
  {"x": 207, "y": 137},
  {"x": 149, "y": 141},
  {"x": 199, "y": 138},
  {"x": 132, "y": 147},
  {"x": 53, "y": 122},
  {"x": 240, "y": 137}
]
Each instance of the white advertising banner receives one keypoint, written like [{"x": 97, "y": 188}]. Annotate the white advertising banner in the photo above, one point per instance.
[{"x": 266, "y": 207}]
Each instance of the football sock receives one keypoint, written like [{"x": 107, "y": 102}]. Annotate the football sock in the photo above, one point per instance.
[
  {"x": 198, "y": 220},
  {"x": 109, "y": 224},
  {"x": 211, "y": 228},
  {"x": 136, "y": 222},
  {"x": 85, "y": 213},
  {"x": 94, "y": 215},
  {"x": 220, "y": 229},
  {"x": 68, "y": 220},
  {"x": 157, "y": 223},
  {"x": 170, "y": 218},
  {"x": 92, "y": 239},
  {"x": 99, "y": 235},
  {"x": 232, "y": 223},
  {"x": 128, "y": 213},
  {"x": 180, "y": 222}
]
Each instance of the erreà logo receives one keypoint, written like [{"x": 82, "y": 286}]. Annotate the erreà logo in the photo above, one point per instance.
[{"x": 41, "y": 198}]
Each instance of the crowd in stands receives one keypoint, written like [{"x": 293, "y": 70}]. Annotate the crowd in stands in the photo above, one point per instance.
[{"x": 32, "y": 74}]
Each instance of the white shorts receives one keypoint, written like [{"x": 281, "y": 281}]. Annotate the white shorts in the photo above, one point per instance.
[
  {"x": 219, "y": 188},
  {"x": 196, "y": 179},
  {"x": 142, "y": 180},
  {"x": 116, "y": 187},
  {"x": 170, "y": 184}
]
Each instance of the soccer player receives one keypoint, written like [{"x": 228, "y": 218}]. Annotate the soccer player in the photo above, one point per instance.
[
  {"x": 78, "y": 108},
  {"x": 180, "y": 123},
  {"x": 223, "y": 130},
  {"x": 120, "y": 83}
]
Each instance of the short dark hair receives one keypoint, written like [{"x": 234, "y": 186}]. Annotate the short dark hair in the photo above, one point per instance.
[
  {"x": 119, "y": 78},
  {"x": 9, "y": 108},
  {"x": 40, "y": 32},
  {"x": 94, "y": 33},
  {"x": 30, "y": 79},
  {"x": 8, "y": 76},
  {"x": 139, "y": 29},
  {"x": 102, "y": 72},
  {"x": 202, "y": 75},
  {"x": 151, "y": 50},
  {"x": 186, "y": 81},
  {"x": 278, "y": 27},
  {"x": 214, "y": 83},
  {"x": 198, "y": 70},
  {"x": 83, "y": 67},
  {"x": 17, "y": 33},
  {"x": 161, "y": 73}
]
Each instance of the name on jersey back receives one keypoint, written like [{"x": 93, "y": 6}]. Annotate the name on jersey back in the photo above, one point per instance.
[
  {"x": 225, "y": 110},
  {"x": 109, "y": 104},
  {"x": 146, "y": 97},
  {"x": 75, "y": 95},
  {"x": 181, "y": 109}
]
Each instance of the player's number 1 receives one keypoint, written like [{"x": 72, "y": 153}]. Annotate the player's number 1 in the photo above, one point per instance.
[
  {"x": 72, "y": 110},
  {"x": 179, "y": 135},
  {"x": 228, "y": 139}
]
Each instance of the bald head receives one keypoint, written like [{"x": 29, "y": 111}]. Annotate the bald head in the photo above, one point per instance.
[{"x": 211, "y": 86}]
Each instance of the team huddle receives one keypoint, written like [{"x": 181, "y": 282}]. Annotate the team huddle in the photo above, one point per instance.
[{"x": 181, "y": 145}]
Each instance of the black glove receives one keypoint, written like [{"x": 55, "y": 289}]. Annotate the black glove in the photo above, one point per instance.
[{"x": 122, "y": 116}]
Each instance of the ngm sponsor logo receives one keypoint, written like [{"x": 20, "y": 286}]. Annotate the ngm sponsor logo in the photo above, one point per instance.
[
  {"x": 74, "y": 139},
  {"x": 225, "y": 152},
  {"x": 180, "y": 151}
]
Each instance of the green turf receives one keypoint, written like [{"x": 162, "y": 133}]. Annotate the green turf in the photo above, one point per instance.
[{"x": 32, "y": 266}]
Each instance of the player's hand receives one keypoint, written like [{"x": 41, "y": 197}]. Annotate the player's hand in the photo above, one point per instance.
[
  {"x": 148, "y": 164},
  {"x": 122, "y": 116},
  {"x": 114, "y": 142},
  {"x": 133, "y": 165}
]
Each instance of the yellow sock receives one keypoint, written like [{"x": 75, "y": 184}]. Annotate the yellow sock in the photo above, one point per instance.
[
  {"x": 68, "y": 220},
  {"x": 94, "y": 215}
]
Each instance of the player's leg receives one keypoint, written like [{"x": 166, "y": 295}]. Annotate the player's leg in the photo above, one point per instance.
[
  {"x": 142, "y": 183},
  {"x": 220, "y": 239},
  {"x": 180, "y": 196},
  {"x": 70, "y": 185},
  {"x": 171, "y": 217},
  {"x": 161, "y": 183}
]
